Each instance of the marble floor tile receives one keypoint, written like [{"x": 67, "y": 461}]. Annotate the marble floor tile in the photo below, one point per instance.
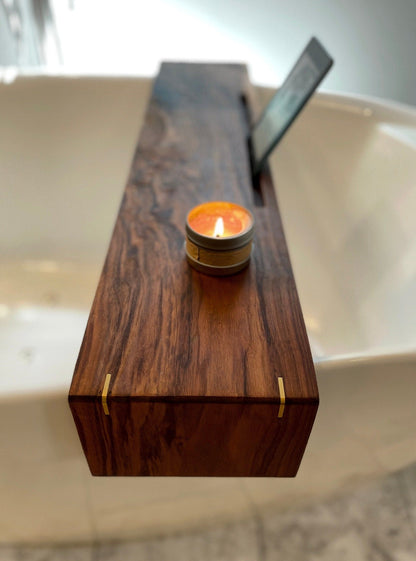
[
  {"x": 376, "y": 522},
  {"x": 407, "y": 482},
  {"x": 369, "y": 524},
  {"x": 53, "y": 553},
  {"x": 230, "y": 542},
  {"x": 8, "y": 553}
]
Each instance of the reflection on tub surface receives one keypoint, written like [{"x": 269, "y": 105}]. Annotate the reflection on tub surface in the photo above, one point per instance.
[{"x": 42, "y": 319}]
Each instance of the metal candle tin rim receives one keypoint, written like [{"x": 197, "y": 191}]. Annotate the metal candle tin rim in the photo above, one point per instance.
[{"x": 221, "y": 244}]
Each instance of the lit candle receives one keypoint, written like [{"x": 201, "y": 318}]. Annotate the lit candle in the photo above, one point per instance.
[{"x": 219, "y": 237}]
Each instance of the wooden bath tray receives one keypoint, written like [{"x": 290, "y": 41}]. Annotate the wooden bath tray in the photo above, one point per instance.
[{"x": 180, "y": 373}]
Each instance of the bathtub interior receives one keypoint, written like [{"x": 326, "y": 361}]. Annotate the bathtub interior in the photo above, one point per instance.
[
  {"x": 65, "y": 151},
  {"x": 346, "y": 176},
  {"x": 347, "y": 206}
]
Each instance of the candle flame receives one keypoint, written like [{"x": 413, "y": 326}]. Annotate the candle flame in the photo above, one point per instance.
[{"x": 219, "y": 228}]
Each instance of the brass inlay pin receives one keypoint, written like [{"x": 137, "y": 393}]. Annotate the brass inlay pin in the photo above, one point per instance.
[
  {"x": 104, "y": 394},
  {"x": 282, "y": 397}
]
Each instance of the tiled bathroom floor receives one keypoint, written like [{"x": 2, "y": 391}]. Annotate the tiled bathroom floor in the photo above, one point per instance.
[{"x": 376, "y": 522}]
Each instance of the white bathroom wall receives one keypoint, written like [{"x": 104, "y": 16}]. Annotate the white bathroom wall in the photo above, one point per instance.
[{"x": 373, "y": 41}]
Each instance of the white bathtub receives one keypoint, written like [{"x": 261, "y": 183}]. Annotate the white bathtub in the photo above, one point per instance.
[{"x": 346, "y": 180}]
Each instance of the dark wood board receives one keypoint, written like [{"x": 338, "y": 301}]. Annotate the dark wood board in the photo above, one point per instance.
[{"x": 194, "y": 359}]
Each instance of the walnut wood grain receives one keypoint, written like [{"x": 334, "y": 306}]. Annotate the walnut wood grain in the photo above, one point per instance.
[{"x": 194, "y": 360}]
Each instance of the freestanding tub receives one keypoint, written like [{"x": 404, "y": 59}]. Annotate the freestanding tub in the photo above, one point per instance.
[{"x": 346, "y": 180}]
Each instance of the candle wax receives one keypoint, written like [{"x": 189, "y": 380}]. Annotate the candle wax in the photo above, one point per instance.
[{"x": 206, "y": 219}]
